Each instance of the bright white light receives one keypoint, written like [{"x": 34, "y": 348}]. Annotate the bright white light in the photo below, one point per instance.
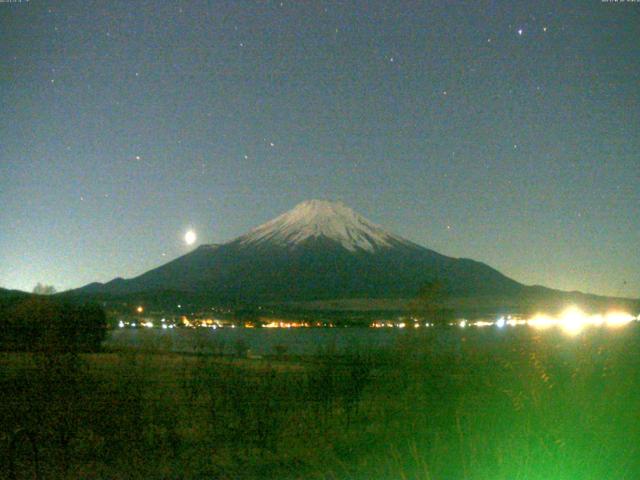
[
  {"x": 573, "y": 320},
  {"x": 596, "y": 320},
  {"x": 616, "y": 319},
  {"x": 542, "y": 322},
  {"x": 164, "y": 326},
  {"x": 190, "y": 237},
  {"x": 121, "y": 324},
  {"x": 463, "y": 323}
]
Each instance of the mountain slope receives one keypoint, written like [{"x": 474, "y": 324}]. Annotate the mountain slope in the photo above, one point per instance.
[{"x": 319, "y": 250}]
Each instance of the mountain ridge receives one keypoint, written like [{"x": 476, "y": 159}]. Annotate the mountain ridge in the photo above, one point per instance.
[{"x": 318, "y": 251}]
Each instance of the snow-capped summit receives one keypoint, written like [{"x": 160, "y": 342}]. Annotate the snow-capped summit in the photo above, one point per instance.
[
  {"x": 320, "y": 250},
  {"x": 314, "y": 219}
]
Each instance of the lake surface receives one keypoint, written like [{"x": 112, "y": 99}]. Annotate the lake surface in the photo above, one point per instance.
[{"x": 313, "y": 341}]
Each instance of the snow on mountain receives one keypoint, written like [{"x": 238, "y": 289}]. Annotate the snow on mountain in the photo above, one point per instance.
[
  {"x": 319, "y": 218},
  {"x": 341, "y": 256}
]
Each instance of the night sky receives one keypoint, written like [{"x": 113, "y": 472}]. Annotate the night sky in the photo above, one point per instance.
[{"x": 507, "y": 132}]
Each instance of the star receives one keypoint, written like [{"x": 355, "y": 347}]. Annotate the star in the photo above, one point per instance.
[{"x": 520, "y": 31}]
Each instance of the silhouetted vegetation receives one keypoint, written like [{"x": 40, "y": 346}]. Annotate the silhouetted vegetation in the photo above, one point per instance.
[
  {"x": 45, "y": 325},
  {"x": 429, "y": 303},
  {"x": 41, "y": 289}
]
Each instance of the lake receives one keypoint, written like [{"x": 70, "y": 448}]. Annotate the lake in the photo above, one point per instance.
[{"x": 313, "y": 341}]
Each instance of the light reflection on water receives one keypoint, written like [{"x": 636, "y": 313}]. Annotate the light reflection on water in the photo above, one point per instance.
[{"x": 312, "y": 341}]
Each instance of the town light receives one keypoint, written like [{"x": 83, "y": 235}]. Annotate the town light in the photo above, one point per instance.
[
  {"x": 542, "y": 322},
  {"x": 573, "y": 320},
  {"x": 617, "y": 319}
]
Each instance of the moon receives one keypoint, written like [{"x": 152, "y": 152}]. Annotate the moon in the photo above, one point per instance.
[{"x": 190, "y": 237}]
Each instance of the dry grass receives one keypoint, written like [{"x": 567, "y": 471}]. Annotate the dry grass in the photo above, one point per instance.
[{"x": 512, "y": 406}]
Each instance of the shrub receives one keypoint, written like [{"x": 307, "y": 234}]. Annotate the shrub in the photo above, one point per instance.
[{"x": 45, "y": 325}]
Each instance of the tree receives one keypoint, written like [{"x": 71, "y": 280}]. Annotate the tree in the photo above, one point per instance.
[
  {"x": 430, "y": 303},
  {"x": 45, "y": 325},
  {"x": 41, "y": 289}
]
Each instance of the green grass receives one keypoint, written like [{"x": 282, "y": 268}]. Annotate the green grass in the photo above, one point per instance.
[{"x": 490, "y": 405}]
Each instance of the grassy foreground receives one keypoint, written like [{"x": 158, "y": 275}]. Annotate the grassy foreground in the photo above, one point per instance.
[{"x": 517, "y": 404}]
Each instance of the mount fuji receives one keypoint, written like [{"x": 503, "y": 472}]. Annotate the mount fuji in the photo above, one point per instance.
[{"x": 317, "y": 251}]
